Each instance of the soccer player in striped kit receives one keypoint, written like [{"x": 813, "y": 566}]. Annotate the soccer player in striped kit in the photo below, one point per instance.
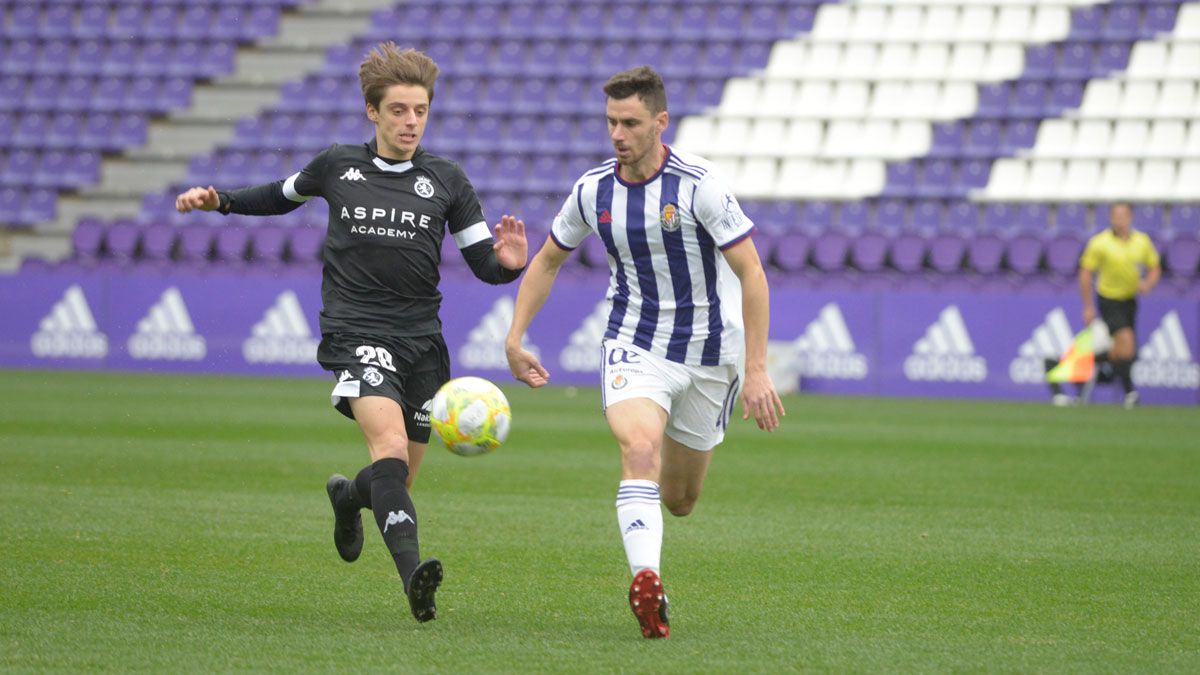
[{"x": 688, "y": 323}]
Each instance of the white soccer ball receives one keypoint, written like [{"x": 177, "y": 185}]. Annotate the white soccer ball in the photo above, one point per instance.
[{"x": 470, "y": 415}]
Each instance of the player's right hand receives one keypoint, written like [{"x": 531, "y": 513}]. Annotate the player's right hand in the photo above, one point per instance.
[
  {"x": 1089, "y": 315},
  {"x": 205, "y": 199},
  {"x": 526, "y": 367}
]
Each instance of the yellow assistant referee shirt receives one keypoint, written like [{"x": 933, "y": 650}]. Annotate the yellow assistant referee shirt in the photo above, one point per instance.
[{"x": 1117, "y": 262}]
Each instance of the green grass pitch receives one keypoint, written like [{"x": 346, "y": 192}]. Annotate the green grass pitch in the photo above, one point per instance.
[{"x": 180, "y": 524}]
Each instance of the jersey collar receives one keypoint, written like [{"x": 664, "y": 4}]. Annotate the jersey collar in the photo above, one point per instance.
[
  {"x": 651, "y": 178},
  {"x": 391, "y": 166}
]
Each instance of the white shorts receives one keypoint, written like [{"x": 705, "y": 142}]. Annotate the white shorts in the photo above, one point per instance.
[{"x": 699, "y": 400}]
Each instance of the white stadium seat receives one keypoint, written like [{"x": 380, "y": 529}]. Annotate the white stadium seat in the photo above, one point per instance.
[
  {"x": 740, "y": 96},
  {"x": 865, "y": 178},
  {"x": 1080, "y": 179},
  {"x": 1187, "y": 181},
  {"x": 1148, "y": 61},
  {"x": 911, "y": 139},
  {"x": 966, "y": 61},
  {"x": 1007, "y": 181},
  {"x": 1139, "y": 98},
  {"x": 731, "y": 136},
  {"x": 1101, "y": 99},
  {"x": 1004, "y": 62},
  {"x": 869, "y": 24},
  {"x": 1191, "y": 148},
  {"x": 1184, "y": 57},
  {"x": 756, "y": 177},
  {"x": 958, "y": 99},
  {"x": 1177, "y": 99},
  {"x": 803, "y": 138},
  {"x": 1055, "y": 138},
  {"x": 813, "y": 98},
  {"x": 1119, "y": 178},
  {"x": 850, "y": 99},
  {"x": 765, "y": 134},
  {"x": 1130, "y": 138},
  {"x": 859, "y": 61},
  {"x": 1167, "y": 139},
  {"x": 941, "y": 23},
  {"x": 1156, "y": 180},
  {"x": 930, "y": 61},
  {"x": 1092, "y": 138},
  {"x": 794, "y": 177},
  {"x": 1013, "y": 23},
  {"x": 777, "y": 97},
  {"x": 1187, "y": 23},
  {"x": 895, "y": 62},
  {"x": 904, "y": 24},
  {"x": 787, "y": 58},
  {"x": 832, "y": 23},
  {"x": 1045, "y": 179},
  {"x": 694, "y": 134},
  {"x": 1050, "y": 23}
]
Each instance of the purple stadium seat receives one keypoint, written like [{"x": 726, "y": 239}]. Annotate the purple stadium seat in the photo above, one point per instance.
[
  {"x": 1149, "y": 218},
  {"x": 268, "y": 244},
  {"x": 853, "y": 218},
  {"x": 829, "y": 252},
  {"x": 1018, "y": 135},
  {"x": 87, "y": 239},
  {"x": 1062, "y": 253},
  {"x": 985, "y": 253},
  {"x": 1040, "y": 62},
  {"x": 1033, "y": 219},
  {"x": 1122, "y": 22},
  {"x": 1112, "y": 57},
  {"x": 305, "y": 245},
  {"x": 10, "y": 206},
  {"x": 195, "y": 243},
  {"x": 230, "y": 244},
  {"x": 22, "y": 167},
  {"x": 121, "y": 241},
  {"x": 962, "y": 217},
  {"x": 763, "y": 23},
  {"x": 1028, "y": 100},
  {"x": 1072, "y": 217},
  {"x": 994, "y": 100},
  {"x": 907, "y": 253},
  {"x": 816, "y": 217},
  {"x": 937, "y": 178},
  {"x": 972, "y": 175},
  {"x": 91, "y": 23},
  {"x": 1185, "y": 219},
  {"x": 946, "y": 253},
  {"x": 39, "y": 206},
  {"x": 1075, "y": 60},
  {"x": 901, "y": 179},
  {"x": 891, "y": 215},
  {"x": 1065, "y": 95},
  {"x": 796, "y": 19},
  {"x": 868, "y": 252},
  {"x": 1183, "y": 257},
  {"x": 984, "y": 139},
  {"x": 158, "y": 242},
  {"x": 1087, "y": 23},
  {"x": 948, "y": 139},
  {"x": 1024, "y": 254},
  {"x": 790, "y": 252},
  {"x": 1159, "y": 19}
]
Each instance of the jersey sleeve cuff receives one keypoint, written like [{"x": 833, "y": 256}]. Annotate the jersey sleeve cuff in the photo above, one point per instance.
[
  {"x": 732, "y": 242},
  {"x": 557, "y": 242}
]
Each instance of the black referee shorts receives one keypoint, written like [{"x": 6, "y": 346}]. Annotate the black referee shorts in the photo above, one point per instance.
[
  {"x": 408, "y": 370},
  {"x": 1117, "y": 314}
]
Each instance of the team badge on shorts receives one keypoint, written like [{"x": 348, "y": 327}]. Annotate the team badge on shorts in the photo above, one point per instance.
[
  {"x": 372, "y": 376},
  {"x": 669, "y": 219},
  {"x": 424, "y": 186},
  {"x": 619, "y": 382}
]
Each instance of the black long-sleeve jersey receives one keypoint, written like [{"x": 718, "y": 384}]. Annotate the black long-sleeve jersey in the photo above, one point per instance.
[{"x": 386, "y": 224}]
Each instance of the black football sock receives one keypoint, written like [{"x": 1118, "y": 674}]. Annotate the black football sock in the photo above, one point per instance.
[
  {"x": 394, "y": 514},
  {"x": 1124, "y": 371},
  {"x": 359, "y": 494},
  {"x": 1101, "y": 357}
]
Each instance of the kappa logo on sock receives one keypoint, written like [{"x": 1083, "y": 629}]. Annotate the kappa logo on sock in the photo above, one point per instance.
[
  {"x": 397, "y": 517},
  {"x": 636, "y": 525}
]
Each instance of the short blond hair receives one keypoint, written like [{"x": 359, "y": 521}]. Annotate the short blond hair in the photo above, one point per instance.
[{"x": 388, "y": 65}]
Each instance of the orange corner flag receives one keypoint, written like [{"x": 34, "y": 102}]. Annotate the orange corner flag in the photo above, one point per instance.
[{"x": 1078, "y": 364}]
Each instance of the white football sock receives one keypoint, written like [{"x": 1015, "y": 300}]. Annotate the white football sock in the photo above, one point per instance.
[{"x": 639, "y": 516}]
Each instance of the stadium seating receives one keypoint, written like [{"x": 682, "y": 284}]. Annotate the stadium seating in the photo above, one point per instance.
[{"x": 937, "y": 138}]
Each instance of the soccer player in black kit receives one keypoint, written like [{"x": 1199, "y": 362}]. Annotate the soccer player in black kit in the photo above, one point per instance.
[{"x": 390, "y": 204}]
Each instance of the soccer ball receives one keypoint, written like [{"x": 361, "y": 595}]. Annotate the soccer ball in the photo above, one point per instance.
[{"x": 470, "y": 415}]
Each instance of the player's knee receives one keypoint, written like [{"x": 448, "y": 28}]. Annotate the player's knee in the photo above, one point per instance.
[
  {"x": 388, "y": 446},
  {"x": 641, "y": 457}
]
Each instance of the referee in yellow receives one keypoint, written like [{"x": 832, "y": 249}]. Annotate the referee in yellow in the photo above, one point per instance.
[{"x": 1118, "y": 255}]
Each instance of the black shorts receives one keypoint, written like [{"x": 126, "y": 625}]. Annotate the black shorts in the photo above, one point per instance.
[
  {"x": 408, "y": 370},
  {"x": 1117, "y": 314}
]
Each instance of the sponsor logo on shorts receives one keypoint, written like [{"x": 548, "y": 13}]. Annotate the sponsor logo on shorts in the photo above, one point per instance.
[{"x": 619, "y": 382}]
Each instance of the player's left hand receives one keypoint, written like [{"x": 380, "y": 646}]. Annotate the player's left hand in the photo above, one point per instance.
[
  {"x": 760, "y": 399},
  {"x": 511, "y": 247}
]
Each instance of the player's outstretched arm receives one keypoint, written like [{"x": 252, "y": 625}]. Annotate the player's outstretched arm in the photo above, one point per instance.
[
  {"x": 203, "y": 199},
  {"x": 511, "y": 247},
  {"x": 759, "y": 398},
  {"x": 535, "y": 288}
]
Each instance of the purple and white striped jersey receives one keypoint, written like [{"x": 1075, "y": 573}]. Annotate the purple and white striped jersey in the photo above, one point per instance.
[{"x": 670, "y": 290}]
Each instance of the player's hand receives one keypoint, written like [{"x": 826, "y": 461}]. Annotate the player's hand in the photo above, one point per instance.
[
  {"x": 760, "y": 399},
  {"x": 511, "y": 247},
  {"x": 204, "y": 199},
  {"x": 1089, "y": 315},
  {"x": 1144, "y": 287},
  {"x": 525, "y": 366}
]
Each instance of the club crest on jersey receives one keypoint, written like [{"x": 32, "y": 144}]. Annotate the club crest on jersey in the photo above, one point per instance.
[
  {"x": 669, "y": 218},
  {"x": 372, "y": 376},
  {"x": 423, "y": 187}
]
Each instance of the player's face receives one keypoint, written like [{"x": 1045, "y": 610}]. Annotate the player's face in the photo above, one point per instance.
[
  {"x": 400, "y": 120},
  {"x": 1121, "y": 218},
  {"x": 634, "y": 132}
]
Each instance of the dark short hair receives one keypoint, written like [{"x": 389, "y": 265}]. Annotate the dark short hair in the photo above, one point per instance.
[
  {"x": 387, "y": 65},
  {"x": 642, "y": 81}
]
